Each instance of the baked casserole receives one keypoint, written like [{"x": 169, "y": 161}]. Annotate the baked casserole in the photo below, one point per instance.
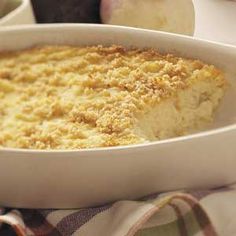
[{"x": 64, "y": 97}]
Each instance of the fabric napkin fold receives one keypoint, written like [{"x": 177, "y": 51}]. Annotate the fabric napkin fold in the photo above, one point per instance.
[{"x": 196, "y": 213}]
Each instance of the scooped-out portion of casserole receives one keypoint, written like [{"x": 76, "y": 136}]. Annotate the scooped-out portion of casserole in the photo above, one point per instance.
[{"x": 64, "y": 97}]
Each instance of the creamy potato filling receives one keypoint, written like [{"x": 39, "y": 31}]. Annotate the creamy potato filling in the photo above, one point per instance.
[{"x": 64, "y": 97}]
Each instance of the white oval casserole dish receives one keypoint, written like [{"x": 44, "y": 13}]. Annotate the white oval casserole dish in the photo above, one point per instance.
[
  {"x": 70, "y": 179},
  {"x": 22, "y": 14}
]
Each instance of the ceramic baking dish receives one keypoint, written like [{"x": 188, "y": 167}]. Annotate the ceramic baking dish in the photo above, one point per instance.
[
  {"x": 17, "y": 12},
  {"x": 68, "y": 179}
]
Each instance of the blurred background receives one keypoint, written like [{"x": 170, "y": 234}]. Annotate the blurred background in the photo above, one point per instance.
[
  {"x": 207, "y": 19},
  {"x": 214, "y": 19}
]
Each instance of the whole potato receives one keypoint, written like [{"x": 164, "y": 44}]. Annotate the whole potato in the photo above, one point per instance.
[
  {"x": 175, "y": 16},
  {"x": 55, "y": 11}
]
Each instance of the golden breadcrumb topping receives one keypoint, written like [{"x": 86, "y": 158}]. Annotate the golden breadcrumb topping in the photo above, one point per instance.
[{"x": 64, "y": 97}]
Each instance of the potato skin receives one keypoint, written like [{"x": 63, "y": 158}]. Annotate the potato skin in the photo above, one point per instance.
[
  {"x": 67, "y": 11},
  {"x": 106, "y": 9},
  {"x": 176, "y": 16}
]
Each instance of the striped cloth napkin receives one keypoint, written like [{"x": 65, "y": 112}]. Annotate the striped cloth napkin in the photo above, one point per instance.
[{"x": 199, "y": 213}]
